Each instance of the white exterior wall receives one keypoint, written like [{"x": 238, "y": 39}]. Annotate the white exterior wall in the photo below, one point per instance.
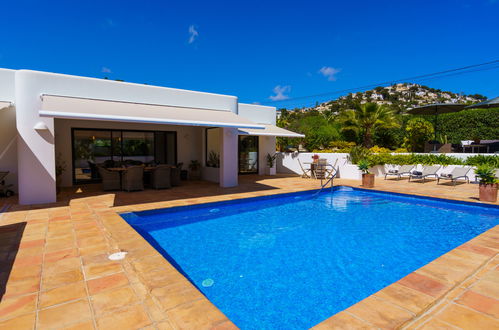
[
  {"x": 188, "y": 140},
  {"x": 36, "y": 152},
  {"x": 266, "y": 145},
  {"x": 288, "y": 163},
  {"x": 258, "y": 113},
  {"x": 8, "y": 132}
]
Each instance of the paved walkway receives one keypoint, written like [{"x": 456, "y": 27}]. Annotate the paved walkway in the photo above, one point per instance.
[{"x": 55, "y": 271}]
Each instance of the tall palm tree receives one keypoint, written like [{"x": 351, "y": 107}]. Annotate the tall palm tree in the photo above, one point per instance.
[{"x": 365, "y": 119}]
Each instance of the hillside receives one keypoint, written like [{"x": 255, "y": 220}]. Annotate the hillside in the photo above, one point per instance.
[{"x": 400, "y": 96}]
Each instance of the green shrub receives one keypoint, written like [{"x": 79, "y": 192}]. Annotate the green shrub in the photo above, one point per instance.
[
  {"x": 486, "y": 174},
  {"x": 483, "y": 160},
  {"x": 358, "y": 153},
  {"x": 341, "y": 145},
  {"x": 417, "y": 131},
  {"x": 364, "y": 165},
  {"x": 377, "y": 150}
]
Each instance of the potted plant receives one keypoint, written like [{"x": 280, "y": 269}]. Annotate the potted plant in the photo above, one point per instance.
[
  {"x": 213, "y": 160},
  {"x": 488, "y": 183},
  {"x": 194, "y": 170},
  {"x": 270, "y": 169},
  {"x": 367, "y": 177},
  {"x": 315, "y": 159}
]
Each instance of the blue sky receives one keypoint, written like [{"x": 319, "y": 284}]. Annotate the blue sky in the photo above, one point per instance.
[{"x": 258, "y": 50}]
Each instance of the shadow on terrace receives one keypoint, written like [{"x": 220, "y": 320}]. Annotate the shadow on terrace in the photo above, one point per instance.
[
  {"x": 188, "y": 189},
  {"x": 10, "y": 241}
]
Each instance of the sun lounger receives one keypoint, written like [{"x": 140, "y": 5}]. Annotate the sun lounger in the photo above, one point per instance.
[
  {"x": 404, "y": 170},
  {"x": 457, "y": 173},
  {"x": 427, "y": 172}
]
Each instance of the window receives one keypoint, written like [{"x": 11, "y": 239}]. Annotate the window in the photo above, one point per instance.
[{"x": 113, "y": 148}]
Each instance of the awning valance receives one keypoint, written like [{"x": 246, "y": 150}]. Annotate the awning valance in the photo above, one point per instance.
[
  {"x": 4, "y": 104},
  {"x": 270, "y": 130},
  {"x": 92, "y": 109}
]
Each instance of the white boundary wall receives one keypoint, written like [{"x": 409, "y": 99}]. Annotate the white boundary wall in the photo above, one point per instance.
[{"x": 288, "y": 163}]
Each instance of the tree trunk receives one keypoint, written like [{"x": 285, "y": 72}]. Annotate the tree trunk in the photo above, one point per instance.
[{"x": 368, "y": 140}]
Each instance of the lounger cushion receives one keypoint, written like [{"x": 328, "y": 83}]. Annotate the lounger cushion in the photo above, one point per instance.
[
  {"x": 417, "y": 173},
  {"x": 393, "y": 171}
]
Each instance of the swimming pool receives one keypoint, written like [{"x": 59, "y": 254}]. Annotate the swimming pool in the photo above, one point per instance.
[{"x": 291, "y": 261}]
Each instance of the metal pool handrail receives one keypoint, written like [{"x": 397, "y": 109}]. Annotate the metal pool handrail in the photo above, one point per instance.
[{"x": 335, "y": 172}]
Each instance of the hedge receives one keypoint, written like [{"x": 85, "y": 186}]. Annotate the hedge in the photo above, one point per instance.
[
  {"x": 430, "y": 159},
  {"x": 468, "y": 125}
]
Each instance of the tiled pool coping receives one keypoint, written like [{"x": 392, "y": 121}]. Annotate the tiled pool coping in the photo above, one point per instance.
[{"x": 144, "y": 290}]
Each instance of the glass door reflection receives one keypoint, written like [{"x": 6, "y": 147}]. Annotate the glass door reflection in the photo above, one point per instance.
[{"x": 248, "y": 154}]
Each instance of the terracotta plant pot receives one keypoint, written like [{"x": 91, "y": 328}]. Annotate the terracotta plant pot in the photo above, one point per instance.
[
  {"x": 367, "y": 180},
  {"x": 488, "y": 192}
]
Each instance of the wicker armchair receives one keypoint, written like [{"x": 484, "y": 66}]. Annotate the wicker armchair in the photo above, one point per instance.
[
  {"x": 161, "y": 177},
  {"x": 133, "y": 178},
  {"x": 175, "y": 176},
  {"x": 110, "y": 180}
]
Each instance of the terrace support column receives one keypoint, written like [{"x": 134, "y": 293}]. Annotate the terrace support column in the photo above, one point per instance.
[
  {"x": 35, "y": 143},
  {"x": 228, "y": 157}
]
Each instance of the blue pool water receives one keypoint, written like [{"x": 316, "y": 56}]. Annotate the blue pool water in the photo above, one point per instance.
[{"x": 291, "y": 261}]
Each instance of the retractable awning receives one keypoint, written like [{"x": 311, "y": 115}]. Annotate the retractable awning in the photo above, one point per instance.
[
  {"x": 92, "y": 109},
  {"x": 4, "y": 104},
  {"x": 270, "y": 130}
]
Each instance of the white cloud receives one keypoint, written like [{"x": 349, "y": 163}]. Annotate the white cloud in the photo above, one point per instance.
[
  {"x": 279, "y": 92},
  {"x": 329, "y": 72},
  {"x": 106, "y": 69},
  {"x": 193, "y": 34}
]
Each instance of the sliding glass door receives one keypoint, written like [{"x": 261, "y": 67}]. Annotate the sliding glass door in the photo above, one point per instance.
[
  {"x": 90, "y": 147},
  {"x": 114, "y": 148},
  {"x": 248, "y": 154}
]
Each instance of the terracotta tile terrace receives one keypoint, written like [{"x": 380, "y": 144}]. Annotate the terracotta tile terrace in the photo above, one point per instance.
[{"x": 55, "y": 272}]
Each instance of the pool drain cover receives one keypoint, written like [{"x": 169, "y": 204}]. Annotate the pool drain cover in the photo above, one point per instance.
[
  {"x": 207, "y": 283},
  {"x": 117, "y": 256}
]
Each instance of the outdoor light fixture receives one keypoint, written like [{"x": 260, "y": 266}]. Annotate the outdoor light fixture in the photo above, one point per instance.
[{"x": 40, "y": 126}]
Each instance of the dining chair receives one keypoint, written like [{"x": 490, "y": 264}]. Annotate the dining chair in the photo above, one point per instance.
[
  {"x": 110, "y": 180},
  {"x": 133, "y": 178},
  {"x": 306, "y": 173},
  {"x": 161, "y": 177}
]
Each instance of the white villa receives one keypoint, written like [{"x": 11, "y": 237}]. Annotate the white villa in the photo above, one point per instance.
[{"x": 52, "y": 120}]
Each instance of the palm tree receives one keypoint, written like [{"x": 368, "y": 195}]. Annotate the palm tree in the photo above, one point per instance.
[{"x": 365, "y": 119}]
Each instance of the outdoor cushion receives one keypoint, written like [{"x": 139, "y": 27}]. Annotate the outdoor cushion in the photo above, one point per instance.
[
  {"x": 417, "y": 173},
  {"x": 393, "y": 171}
]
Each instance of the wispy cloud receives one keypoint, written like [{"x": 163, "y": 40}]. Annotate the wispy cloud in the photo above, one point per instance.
[
  {"x": 193, "y": 34},
  {"x": 280, "y": 93},
  {"x": 110, "y": 22},
  {"x": 329, "y": 72},
  {"x": 106, "y": 70}
]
